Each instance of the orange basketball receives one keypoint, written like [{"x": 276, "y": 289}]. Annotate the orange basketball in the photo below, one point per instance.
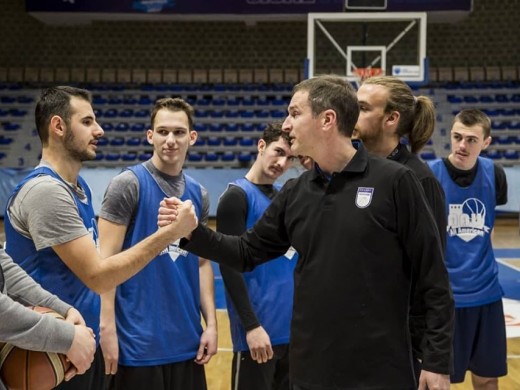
[{"x": 21, "y": 369}]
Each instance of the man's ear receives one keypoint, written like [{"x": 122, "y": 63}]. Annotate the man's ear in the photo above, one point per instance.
[
  {"x": 149, "y": 135},
  {"x": 193, "y": 137},
  {"x": 329, "y": 117},
  {"x": 393, "y": 118},
  {"x": 57, "y": 125},
  {"x": 261, "y": 146},
  {"x": 487, "y": 142}
]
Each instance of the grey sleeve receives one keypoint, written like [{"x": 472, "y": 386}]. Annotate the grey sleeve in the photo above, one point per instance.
[
  {"x": 120, "y": 199},
  {"x": 44, "y": 211},
  {"x": 23, "y": 327}
]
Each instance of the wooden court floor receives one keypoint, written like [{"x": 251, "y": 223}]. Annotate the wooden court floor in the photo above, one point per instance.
[{"x": 218, "y": 370}]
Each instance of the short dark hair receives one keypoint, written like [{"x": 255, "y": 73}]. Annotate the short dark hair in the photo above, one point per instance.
[
  {"x": 56, "y": 101},
  {"x": 335, "y": 93},
  {"x": 175, "y": 105},
  {"x": 273, "y": 132},
  {"x": 472, "y": 117}
]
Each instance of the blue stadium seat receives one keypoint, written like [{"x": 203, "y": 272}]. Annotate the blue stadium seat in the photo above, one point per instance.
[
  {"x": 227, "y": 156},
  {"x": 216, "y": 114},
  {"x": 145, "y": 156},
  {"x": 201, "y": 141},
  {"x": 5, "y": 140},
  {"x": 117, "y": 141},
  {"x": 115, "y": 101},
  {"x": 248, "y": 127},
  {"x": 112, "y": 156},
  {"x": 470, "y": 99},
  {"x": 138, "y": 127},
  {"x": 278, "y": 114},
  {"x": 214, "y": 141},
  {"x": 232, "y": 114},
  {"x": 133, "y": 141},
  {"x": 145, "y": 100},
  {"x": 494, "y": 154},
  {"x": 211, "y": 157},
  {"x": 8, "y": 126},
  {"x": 130, "y": 156},
  {"x": 231, "y": 127},
  {"x": 194, "y": 156},
  {"x": 216, "y": 127},
  {"x": 428, "y": 155},
  {"x": 246, "y": 141},
  {"x": 122, "y": 126},
  {"x": 454, "y": 99},
  {"x": 230, "y": 141},
  {"x": 142, "y": 113},
  {"x": 107, "y": 126},
  {"x": 511, "y": 154},
  {"x": 200, "y": 127},
  {"x": 126, "y": 113},
  {"x": 103, "y": 141},
  {"x": 129, "y": 100},
  {"x": 110, "y": 113},
  {"x": 245, "y": 157}
]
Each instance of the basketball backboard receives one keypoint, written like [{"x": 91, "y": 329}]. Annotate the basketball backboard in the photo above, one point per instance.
[{"x": 352, "y": 44}]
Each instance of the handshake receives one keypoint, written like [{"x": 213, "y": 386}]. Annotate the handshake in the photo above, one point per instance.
[{"x": 177, "y": 215}]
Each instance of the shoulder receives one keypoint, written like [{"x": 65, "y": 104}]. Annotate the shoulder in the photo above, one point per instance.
[
  {"x": 233, "y": 193},
  {"x": 385, "y": 168},
  {"x": 52, "y": 189},
  {"x": 420, "y": 168}
]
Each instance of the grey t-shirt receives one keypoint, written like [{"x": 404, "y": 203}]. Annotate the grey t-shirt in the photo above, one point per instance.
[
  {"x": 45, "y": 212},
  {"x": 122, "y": 195}
]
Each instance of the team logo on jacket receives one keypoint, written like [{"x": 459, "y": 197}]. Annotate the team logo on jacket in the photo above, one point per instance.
[
  {"x": 174, "y": 251},
  {"x": 364, "y": 196},
  {"x": 467, "y": 220}
]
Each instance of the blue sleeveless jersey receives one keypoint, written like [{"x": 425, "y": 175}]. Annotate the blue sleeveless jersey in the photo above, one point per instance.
[
  {"x": 158, "y": 310},
  {"x": 270, "y": 285},
  {"x": 46, "y": 267},
  {"x": 470, "y": 259}
]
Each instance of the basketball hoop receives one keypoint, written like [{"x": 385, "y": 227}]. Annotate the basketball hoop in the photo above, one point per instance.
[{"x": 364, "y": 73}]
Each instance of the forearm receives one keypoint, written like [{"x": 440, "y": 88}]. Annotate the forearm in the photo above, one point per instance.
[
  {"x": 237, "y": 291},
  {"x": 207, "y": 293},
  {"x": 22, "y": 288},
  {"x": 27, "y": 329}
]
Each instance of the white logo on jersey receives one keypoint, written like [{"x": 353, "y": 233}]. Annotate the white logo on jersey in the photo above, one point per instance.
[
  {"x": 364, "y": 196},
  {"x": 290, "y": 253},
  {"x": 174, "y": 251},
  {"x": 466, "y": 220}
]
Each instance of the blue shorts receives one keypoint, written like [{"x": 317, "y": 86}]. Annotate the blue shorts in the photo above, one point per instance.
[{"x": 479, "y": 342}]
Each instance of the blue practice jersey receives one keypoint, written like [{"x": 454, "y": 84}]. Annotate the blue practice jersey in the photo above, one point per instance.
[
  {"x": 158, "y": 310},
  {"x": 270, "y": 285},
  {"x": 470, "y": 259},
  {"x": 46, "y": 267}
]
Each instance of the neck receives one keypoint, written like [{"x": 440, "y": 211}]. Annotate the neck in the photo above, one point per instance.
[
  {"x": 382, "y": 148},
  {"x": 255, "y": 175},
  {"x": 336, "y": 157},
  {"x": 172, "y": 169},
  {"x": 67, "y": 168}
]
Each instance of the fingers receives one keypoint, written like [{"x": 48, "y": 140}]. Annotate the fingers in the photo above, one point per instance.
[
  {"x": 262, "y": 355},
  {"x": 71, "y": 373}
]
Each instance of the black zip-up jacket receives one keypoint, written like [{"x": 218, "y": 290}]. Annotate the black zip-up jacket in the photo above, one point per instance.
[{"x": 363, "y": 234}]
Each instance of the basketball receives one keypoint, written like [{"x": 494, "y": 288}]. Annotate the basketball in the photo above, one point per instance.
[{"x": 21, "y": 369}]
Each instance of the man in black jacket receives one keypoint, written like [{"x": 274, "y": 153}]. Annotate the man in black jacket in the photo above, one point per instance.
[{"x": 363, "y": 231}]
